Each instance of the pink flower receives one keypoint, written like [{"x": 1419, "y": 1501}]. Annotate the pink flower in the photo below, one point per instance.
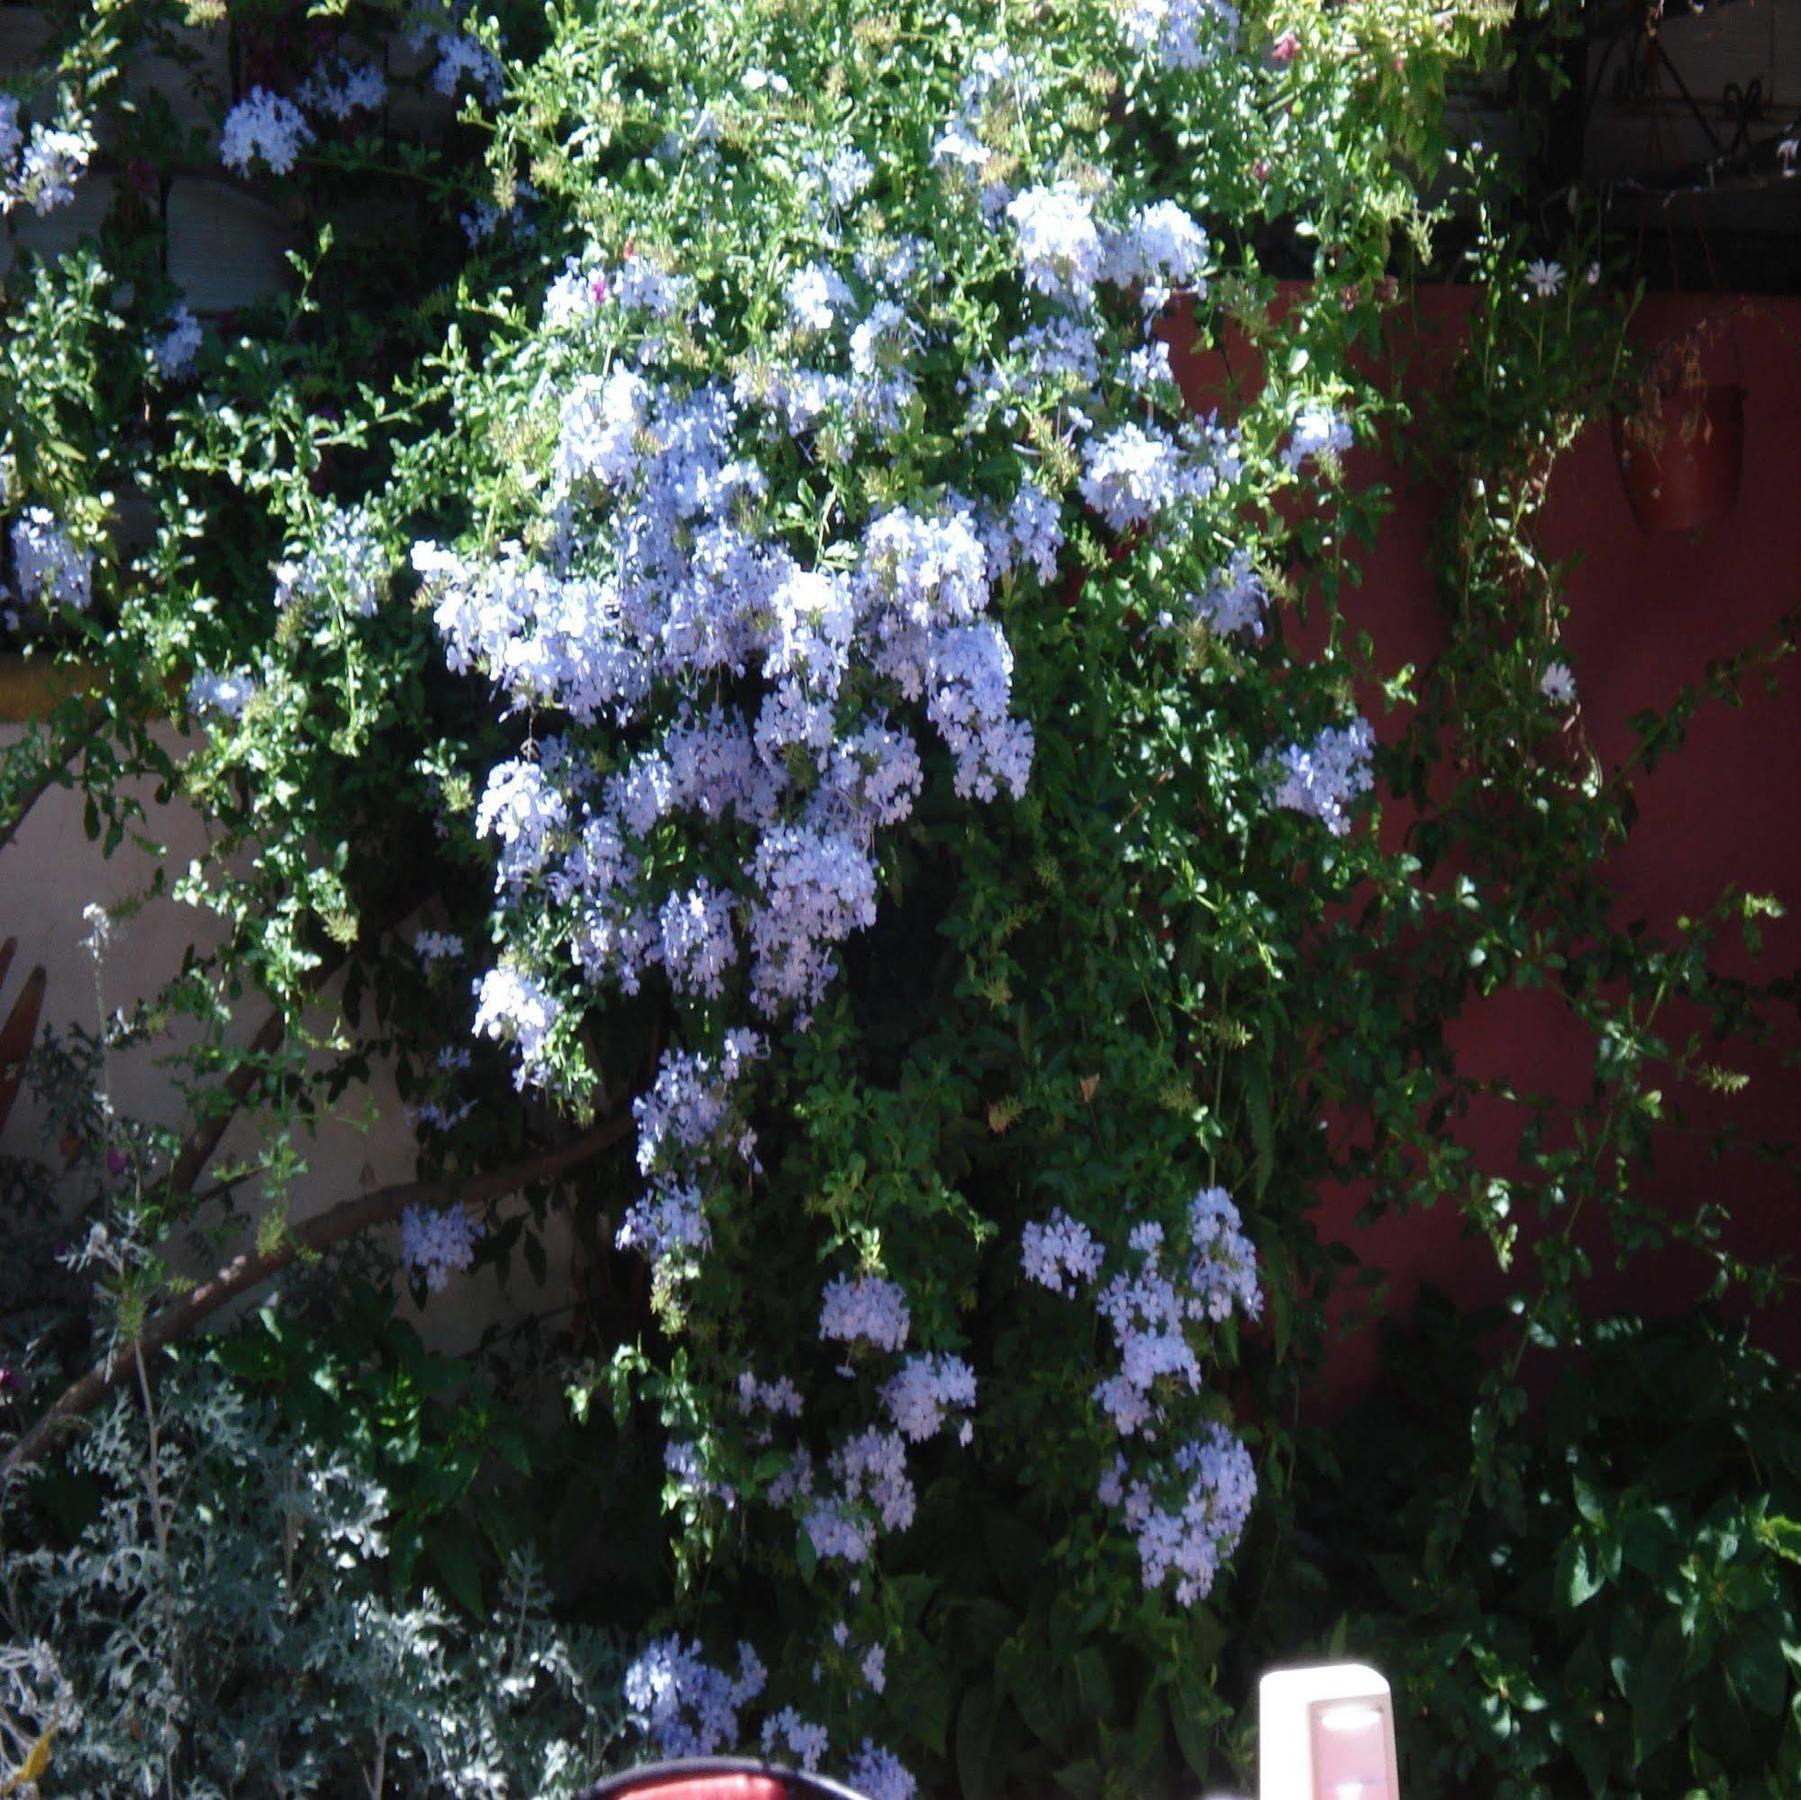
[{"x": 1285, "y": 48}]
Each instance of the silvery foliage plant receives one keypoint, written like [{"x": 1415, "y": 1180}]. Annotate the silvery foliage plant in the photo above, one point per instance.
[{"x": 225, "y": 1620}]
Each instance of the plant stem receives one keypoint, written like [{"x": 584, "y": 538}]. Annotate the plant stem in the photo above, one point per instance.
[{"x": 152, "y": 1479}]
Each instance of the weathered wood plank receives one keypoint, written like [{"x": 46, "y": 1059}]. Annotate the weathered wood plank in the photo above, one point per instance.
[
  {"x": 226, "y": 247},
  {"x": 58, "y": 231},
  {"x": 197, "y": 94}
]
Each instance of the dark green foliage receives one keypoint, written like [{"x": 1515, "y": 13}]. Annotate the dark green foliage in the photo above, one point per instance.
[{"x": 1623, "y": 1616}]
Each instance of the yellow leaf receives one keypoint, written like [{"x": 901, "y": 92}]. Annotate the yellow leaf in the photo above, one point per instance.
[{"x": 34, "y": 1765}]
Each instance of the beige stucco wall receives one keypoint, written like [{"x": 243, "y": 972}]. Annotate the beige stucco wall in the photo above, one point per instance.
[{"x": 48, "y": 875}]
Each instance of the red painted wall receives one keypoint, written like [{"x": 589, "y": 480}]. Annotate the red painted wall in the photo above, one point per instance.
[{"x": 1646, "y": 614}]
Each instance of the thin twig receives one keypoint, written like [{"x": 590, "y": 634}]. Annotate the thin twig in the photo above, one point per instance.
[
  {"x": 152, "y": 1477},
  {"x": 192, "y": 1159},
  {"x": 203, "y": 1140}
]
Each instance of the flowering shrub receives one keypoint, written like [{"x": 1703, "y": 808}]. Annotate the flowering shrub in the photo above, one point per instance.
[
  {"x": 733, "y": 639},
  {"x": 832, "y": 475}
]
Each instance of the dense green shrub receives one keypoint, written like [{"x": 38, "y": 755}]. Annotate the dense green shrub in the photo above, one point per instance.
[{"x": 1622, "y": 1619}]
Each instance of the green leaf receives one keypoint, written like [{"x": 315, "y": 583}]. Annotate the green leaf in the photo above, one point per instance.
[
  {"x": 454, "y": 1552},
  {"x": 1781, "y": 1535},
  {"x": 1147, "y": 1734},
  {"x": 1755, "y": 1667},
  {"x": 1022, "y": 1677},
  {"x": 1083, "y": 1779},
  {"x": 1093, "y": 1684},
  {"x": 404, "y": 1546},
  {"x": 975, "y": 1740},
  {"x": 1649, "y": 1540},
  {"x": 1257, "y": 1112},
  {"x": 628, "y": 1361},
  {"x": 1588, "y": 1744},
  {"x": 1649, "y": 1675},
  {"x": 1577, "y": 1581},
  {"x": 1195, "y": 1711}
]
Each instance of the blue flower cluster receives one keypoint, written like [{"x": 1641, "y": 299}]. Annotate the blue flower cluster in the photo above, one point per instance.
[
  {"x": 49, "y": 568},
  {"x": 39, "y": 169},
  {"x": 434, "y": 1244},
  {"x": 1179, "y": 34},
  {"x": 1185, "y": 1507},
  {"x": 869, "y": 1310},
  {"x": 1213, "y": 1486},
  {"x": 685, "y": 1705},
  {"x": 1322, "y": 778},
  {"x": 224, "y": 694},
  {"x": 744, "y": 631},
  {"x": 343, "y": 564},
  {"x": 687, "y": 1124}
]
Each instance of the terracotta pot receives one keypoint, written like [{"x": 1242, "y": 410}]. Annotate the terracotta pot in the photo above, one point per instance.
[{"x": 1686, "y": 477}]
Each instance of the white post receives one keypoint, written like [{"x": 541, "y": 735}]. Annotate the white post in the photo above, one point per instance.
[{"x": 1326, "y": 1733}]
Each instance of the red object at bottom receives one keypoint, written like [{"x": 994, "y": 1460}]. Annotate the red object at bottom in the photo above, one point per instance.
[{"x": 712, "y": 1787}]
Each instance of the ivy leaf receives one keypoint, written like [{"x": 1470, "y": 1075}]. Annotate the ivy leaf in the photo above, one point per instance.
[
  {"x": 1577, "y": 1580},
  {"x": 1082, "y": 1779},
  {"x": 1755, "y": 1669}
]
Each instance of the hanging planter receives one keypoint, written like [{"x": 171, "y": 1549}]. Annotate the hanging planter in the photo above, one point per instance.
[
  {"x": 1680, "y": 456},
  {"x": 1680, "y": 443}
]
